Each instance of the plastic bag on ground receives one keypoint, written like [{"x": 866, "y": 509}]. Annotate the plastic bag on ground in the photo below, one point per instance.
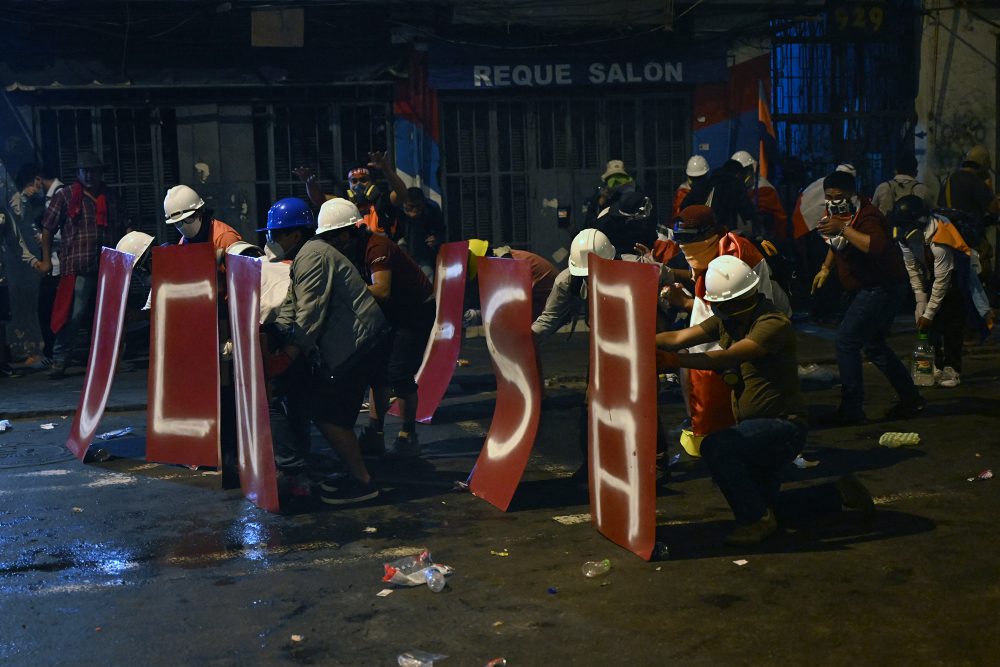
[{"x": 411, "y": 570}]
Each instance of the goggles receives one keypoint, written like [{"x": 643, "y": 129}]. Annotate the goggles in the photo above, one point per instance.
[
  {"x": 840, "y": 206},
  {"x": 684, "y": 235},
  {"x": 641, "y": 213}
]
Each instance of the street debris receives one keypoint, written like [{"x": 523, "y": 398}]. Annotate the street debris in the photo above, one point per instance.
[
  {"x": 503, "y": 553},
  {"x": 371, "y": 529},
  {"x": 894, "y": 439},
  {"x": 297, "y": 638},
  {"x": 803, "y": 463},
  {"x": 77, "y": 509},
  {"x": 384, "y": 593},
  {"x": 497, "y": 624},
  {"x": 674, "y": 459},
  {"x": 462, "y": 362},
  {"x": 460, "y": 487},
  {"x": 48, "y": 427},
  {"x": 659, "y": 568},
  {"x": 114, "y": 434},
  {"x": 596, "y": 568},
  {"x": 741, "y": 562},
  {"x": 416, "y": 570},
  {"x": 96, "y": 455},
  {"x": 571, "y": 519},
  {"x": 553, "y": 590},
  {"x": 419, "y": 659},
  {"x": 984, "y": 475},
  {"x": 497, "y": 662},
  {"x": 816, "y": 373},
  {"x": 5, "y": 425}
]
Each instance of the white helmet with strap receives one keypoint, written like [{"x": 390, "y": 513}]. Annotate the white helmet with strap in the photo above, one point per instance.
[
  {"x": 744, "y": 158},
  {"x": 728, "y": 278},
  {"x": 588, "y": 241},
  {"x": 696, "y": 166},
  {"x": 181, "y": 203},
  {"x": 337, "y": 213}
]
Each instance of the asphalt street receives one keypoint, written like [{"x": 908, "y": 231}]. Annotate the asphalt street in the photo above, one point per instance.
[{"x": 127, "y": 562}]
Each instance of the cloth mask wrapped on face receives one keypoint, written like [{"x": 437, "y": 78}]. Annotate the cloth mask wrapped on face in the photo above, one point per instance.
[
  {"x": 190, "y": 227},
  {"x": 700, "y": 253}
]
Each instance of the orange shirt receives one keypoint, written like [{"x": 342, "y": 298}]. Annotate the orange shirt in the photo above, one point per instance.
[{"x": 222, "y": 236}]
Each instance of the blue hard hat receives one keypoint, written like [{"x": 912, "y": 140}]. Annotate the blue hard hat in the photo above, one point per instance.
[{"x": 288, "y": 213}]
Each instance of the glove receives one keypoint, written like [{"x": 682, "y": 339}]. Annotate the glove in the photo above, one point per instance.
[
  {"x": 820, "y": 278},
  {"x": 275, "y": 364}
]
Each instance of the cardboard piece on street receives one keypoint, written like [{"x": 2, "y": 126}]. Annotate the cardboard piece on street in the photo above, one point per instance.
[
  {"x": 113, "y": 280},
  {"x": 258, "y": 476},
  {"x": 505, "y": 294},
  {"x": 183, "y": 417},
  {"x": 621, "y": 402},
  {"x": 445, "y": 342}
]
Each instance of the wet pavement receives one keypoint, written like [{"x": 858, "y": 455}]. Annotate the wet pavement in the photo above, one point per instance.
[{"x": 127, "y": 562}]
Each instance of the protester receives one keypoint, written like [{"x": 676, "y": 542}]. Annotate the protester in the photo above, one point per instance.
[
  {"x": 770, "y": 210},
  {"x": 936, "y": 259},
  {"x": 90, "y": 216},
  {"x": 422, "y": 230},
  {"x": 186, "y": 211},
  {"x": 407, "y": 300},
  {"x": 627, "y": 221},
  {"x": 724, "y": 191},
  {"x": 696, "y": 170},
  {"x": 331, "y": 317},
  {"x": 543, "y": 275},
  {"x": 870, "y": 269},
  {"x": 903, "y": 183},
  {"x": 616, "y": 183},
  {"x": 757, "y": 356},
  {"x": 49, "y": 283}
]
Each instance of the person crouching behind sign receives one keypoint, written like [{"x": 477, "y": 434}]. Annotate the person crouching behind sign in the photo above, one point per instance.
[
  {"x": 702, "y": 239},
  {"x": 756, "y": 359},
  {"x": 406, "y": 297},
  {"x": 332, "y": 325}
]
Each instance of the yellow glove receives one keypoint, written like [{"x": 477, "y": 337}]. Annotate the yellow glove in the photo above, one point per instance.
[{"x": 820, "y": 278}]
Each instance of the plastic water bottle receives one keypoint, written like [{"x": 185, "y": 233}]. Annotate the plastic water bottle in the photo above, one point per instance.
[
  {"x": 435, "y": 580},
  {"x": 894, "y": 439},
  {"x": 923, "y": 362},
  {"x": 596, "y": 568}
]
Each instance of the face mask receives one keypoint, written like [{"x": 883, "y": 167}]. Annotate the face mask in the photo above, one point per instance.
[
  {"x": 364, "y": 192},
  {"x": 614, "y": 181},
  {"x": 274, "y": 250},
  {"x": 700, "y": 253},
  {"x": 189, "y": 229},
  {"x": 724, "y": 314}
]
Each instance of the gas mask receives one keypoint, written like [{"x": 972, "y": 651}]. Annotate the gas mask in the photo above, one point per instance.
[
  {"x": 190, "y": 227},
  {"x": 843, "y": 207},
  {"x": 363, "y": 193}
]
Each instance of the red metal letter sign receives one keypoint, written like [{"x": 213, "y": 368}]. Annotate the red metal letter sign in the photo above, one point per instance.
[
  {"x": 257, "y": 471},
  {"x": 505, "y": 291},
  {"x": 442, "y": 350},
  {"x": 109, "y": 316},
  {"x": 622, "y": 402},
  {"x": 183, "y": 417}
]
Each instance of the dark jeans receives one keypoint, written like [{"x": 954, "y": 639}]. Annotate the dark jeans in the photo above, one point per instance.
[
  {"x": 948, "y": 329},
  {"x": 76, "y": 332},
  {"x": 865, "y": 327},
  {"x": 290, "y": 422},
  {"x": 46, "y": 297},
  {"x": 746, "y": 462}
]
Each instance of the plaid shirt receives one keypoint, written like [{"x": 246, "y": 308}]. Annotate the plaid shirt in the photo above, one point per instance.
[{"x": 82, "y": 239}]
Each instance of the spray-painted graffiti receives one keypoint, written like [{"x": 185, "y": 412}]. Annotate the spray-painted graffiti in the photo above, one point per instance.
[{"x": 954, "y": 135}]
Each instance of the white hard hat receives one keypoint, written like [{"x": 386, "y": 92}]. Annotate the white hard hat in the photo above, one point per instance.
[
  {"x": 744, "y": 158},
  {"x": 240, "y": 247},
  {"x": 135, "y": 244},
  {"x": 727, "y": 278},
  {"x": 696, "y": 166},
  {"x": 181, "y": 203},
  {"x": 584, "y": 243},
  {"x": 337, "y": 214}
]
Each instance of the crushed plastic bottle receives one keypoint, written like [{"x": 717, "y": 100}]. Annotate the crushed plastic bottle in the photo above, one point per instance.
[
  {"x": 596, "y": 568},
  {"x": 435, "y": 580},
  {"x": 419, "y": 659},
  {"x": 415, "y": 570},
  {"x": 894, "y": 439}
]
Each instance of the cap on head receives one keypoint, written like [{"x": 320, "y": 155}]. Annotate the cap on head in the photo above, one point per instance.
[
  {"x": 588, "y": 241},
  {"x": 696, "y": 166},
  {"x": 336, "y": 214},
  {"x": 847, "y": 167},
  {"x": 181, "y": 203},
  {"x": 744, "y": 158},
  {"x": 727, "y": 278},
  {"x": 697, "y": 216},
  {"x": 614, "y": 167}
]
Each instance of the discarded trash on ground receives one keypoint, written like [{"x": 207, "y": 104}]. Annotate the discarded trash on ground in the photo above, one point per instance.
[
  {"x": 553, "y": 590},
  {"x": 497, "y": 662},
  {"x": 596, "y": 568},
  {"x": 741, "y": 562},
  {"x": 297, "y": 638},
  {"x": 77, "y": 509},
  {"x": 460, "y": 487},
  {"x": 419, "y": 659},
  {"x": 416, "y": 570},
  {"x": 114, "y": 434},
  {"x": 503, "y": 553},
  {"x": 895, "y": 439},
  {"x": 96, "y": 455},
  {"x": 462, "y": 362},
  {"x": 984, "y": 475},
  {"x": 674, "y": 459},
  {"x": 371, "y": 529},
  {"x": 570, "y": 519},
  {"x": 497, "y": 624},
  {"x": 48, "y": 427},
  {"x": 803, "y": 463},
  {"x": 5, "y": 425},
  {"x": 384, "y": 593}
]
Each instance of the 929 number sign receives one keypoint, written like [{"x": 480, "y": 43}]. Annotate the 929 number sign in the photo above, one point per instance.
[{"x": 857, "y": 19}]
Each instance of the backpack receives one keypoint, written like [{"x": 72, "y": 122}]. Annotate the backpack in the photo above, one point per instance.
[
  {"x": 970, "y": 228},
  {"x": 901, "y": 189}
]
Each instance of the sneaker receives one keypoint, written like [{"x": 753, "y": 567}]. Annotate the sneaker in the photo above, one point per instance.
[
  {"x": 351, "y": 491},
  {"x": 949, "y": 378},
  {"x": 57, "y": 370},
  {"x": 906, "y": 409},
  {"x": 372, "y": 442},
  {"x": 753, "y": 533},
  {"x": 405, "y": 446},
  {"x": 7, "y": 372},
  {"x": 854, "y": 495},
  {"x": 332, "y": 482}
]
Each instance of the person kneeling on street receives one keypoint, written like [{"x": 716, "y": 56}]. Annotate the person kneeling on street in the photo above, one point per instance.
[{"x": 758, "y": 361}]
